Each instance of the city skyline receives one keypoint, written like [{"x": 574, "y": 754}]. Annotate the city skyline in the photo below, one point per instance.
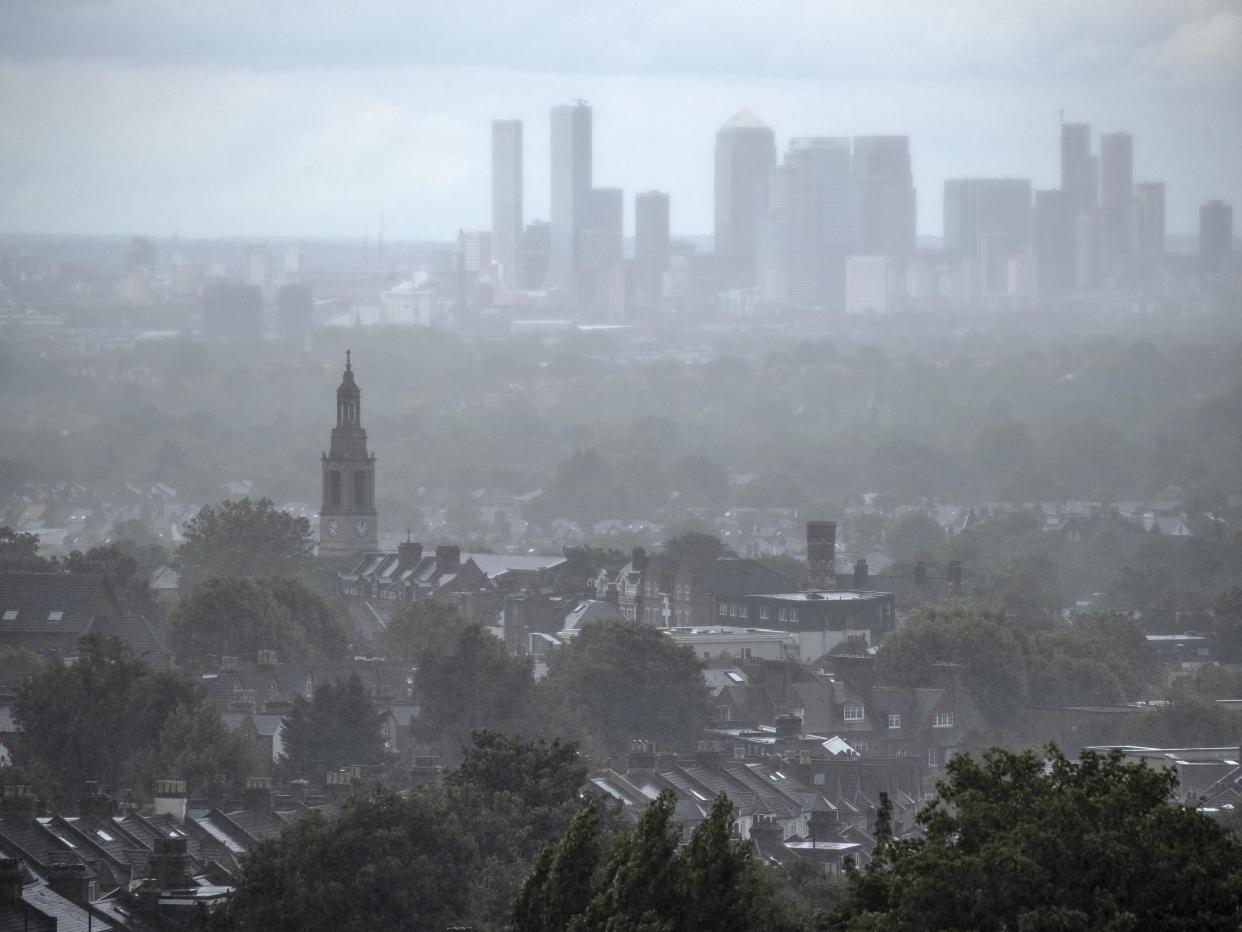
[{"x": 113, "y": 121}]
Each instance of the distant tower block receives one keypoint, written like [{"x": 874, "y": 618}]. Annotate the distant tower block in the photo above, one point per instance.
[{"x": 821, "y": 553}]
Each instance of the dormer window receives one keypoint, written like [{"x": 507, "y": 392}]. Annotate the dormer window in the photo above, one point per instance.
[
  {"x": 943, "y": 720},
  {"x": 854, "y": 712}
]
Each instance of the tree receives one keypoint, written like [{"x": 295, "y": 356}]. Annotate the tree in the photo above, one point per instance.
[
  {"x": 19, "y": 552},
  {"x": 244, "y": 538},
  {"x": 120, "y": 566},
  {"x": 992, "y": 652},
  {"x": 416, "y": 630},
  {"x": 695, "y": 545},
  {"x": 238, "y": 617},
  {"x": 386, "y": 861},
  {"x": 338, "y": 727},
  {"x": 540, "y": 781},
  {"x": 109, "y": 717},
  {"x": 196, "y": 746},
  {"x": 1017, "y": 841},
  {"x": 645, "y": 882},
  {"x": 621, "y": 680},
  {"x": 467, "y": 681},
  {"x": 913, "y": 536}
]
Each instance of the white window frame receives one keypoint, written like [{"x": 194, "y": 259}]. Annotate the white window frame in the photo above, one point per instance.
[
  {"x": 894, "y": 721},
  {"x": 854, "y": 712},
  {"x": 943, "y": 720},
  {"x": 724, "y": 609},
  {"x": 933, "y": 758}
]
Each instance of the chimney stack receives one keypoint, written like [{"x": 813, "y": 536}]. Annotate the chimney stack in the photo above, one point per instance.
[
  {"x": 169, "y": 863},
  {"x": 861, "y": 574},
  {"x": 19, "y": 803},
  {"x": 448, "y": 557},
  {"x": 426, "y": 770},
  {"x": 954, "y": 575},
  {"x": 11, "y": 880},
  {"x": 638, "y": 558},
  {"x": 94, "y": 803},
  {"x": 257, "y": 797},
  {"x": 788, "y": 726},
  {"x": 409, "y": 555},
  {"x": 612, "y": 595},
  {"x": 170, "y": 798},
  {"x": 821, "y": 554},
  {"x": 72, "y": 881}
]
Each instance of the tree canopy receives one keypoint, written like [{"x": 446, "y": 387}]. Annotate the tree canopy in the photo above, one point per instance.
[
  {"x": 1020, "y": 841},
  {"x": 339, "y": 726},
  {"x": 244, "y": 538},
  {"x": 643, "y": 880},
  {"x": 109, "y": 717},
  {"x": 621, "y": 680},
  {"x": 238, "y": 617}
]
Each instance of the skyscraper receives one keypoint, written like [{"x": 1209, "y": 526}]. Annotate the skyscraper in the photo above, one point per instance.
[
  {"x": 602, "y": 245},
  {"x": 651, "y": 235},
  {"x": 1215, "y": 235},
  {"x": 1116, "y": 223},
  {"x": 787, "y": 272},
  {"x": 745, "y": 153},
  {"x": 987, "y": 222},
  {"x": 507, "y": 200},
  {"x": 1053, "y": 234},
  {"x": 978, "y": 207},
  {"x": 827, "y": 159},
  {"x": 571, "y": 194},
  {"x": 536, "y": 250},
  {"x": 1077, "y": 166},
  {"x": 1149, "y": 218},
  {"x": 884, "y": 213}
]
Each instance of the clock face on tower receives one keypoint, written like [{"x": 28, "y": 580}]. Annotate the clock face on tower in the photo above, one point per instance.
[
  {"x": 334, "y": 527},
  {"x": 361, "y": 526}
]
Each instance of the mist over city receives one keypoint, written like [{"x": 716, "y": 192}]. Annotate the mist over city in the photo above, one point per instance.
[{"x": 685, "y": 466}]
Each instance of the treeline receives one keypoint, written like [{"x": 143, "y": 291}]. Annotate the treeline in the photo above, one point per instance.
[{"x": 767, "y": 421}]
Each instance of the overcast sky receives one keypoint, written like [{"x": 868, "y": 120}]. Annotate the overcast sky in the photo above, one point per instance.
[{"x": 313, "y": 118}]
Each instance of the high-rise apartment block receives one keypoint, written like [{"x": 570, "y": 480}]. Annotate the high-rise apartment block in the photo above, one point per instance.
[
  {"x": 507, "y": 201},
  {"x": 1215, "y": 235},
  {"x": 651, "y": 251},
  {"x": 1149, "y": 230},
  {"x": 745, "y": 154},
  {"x": 1077, "y": 167},
  {"x": 885, "y": 211},
  {"x": 868, "y": 284},
  {"x": 1053, "y": 234},
  {"x": 571, "y": 195}
]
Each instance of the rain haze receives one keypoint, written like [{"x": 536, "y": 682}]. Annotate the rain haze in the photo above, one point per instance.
[{"x": 673, "y": 466}]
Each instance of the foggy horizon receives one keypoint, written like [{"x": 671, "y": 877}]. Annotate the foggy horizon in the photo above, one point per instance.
[{"x": 197, "y": 127}]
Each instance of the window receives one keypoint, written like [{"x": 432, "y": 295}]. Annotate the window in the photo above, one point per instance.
[
  {"x": 55, "y": 616},
  {"x": 854, "y": 712},
  {"x": 724, "y": 609},
  {"x": 933, "y": 758},
  {"x": 763, "y": 613},
  {"x": 360, "y": 489},
  {"x": 943, "y": 720},
  {"x": 10, "y": 614},
  {"x": 733, "y": 610},
  {"x": 894, "y": 721},
  {"x": 724, "y": 713},
  {"x": 334, "y": 488},
  {"x": 793, "y": 614},
  {"x": 783, "y": 614}
]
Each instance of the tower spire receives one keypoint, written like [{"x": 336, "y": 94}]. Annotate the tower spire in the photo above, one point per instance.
[{"x": 347, "y": 365}]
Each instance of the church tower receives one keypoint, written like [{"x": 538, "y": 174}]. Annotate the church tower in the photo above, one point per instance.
[{"x": 347, "y": 518}]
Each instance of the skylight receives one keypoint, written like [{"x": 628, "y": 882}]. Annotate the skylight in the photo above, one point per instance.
[
  {"x": 104, "y": 835},
  {"x": 10, "y": 614},
  {"x": 55, "y": 616}
]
